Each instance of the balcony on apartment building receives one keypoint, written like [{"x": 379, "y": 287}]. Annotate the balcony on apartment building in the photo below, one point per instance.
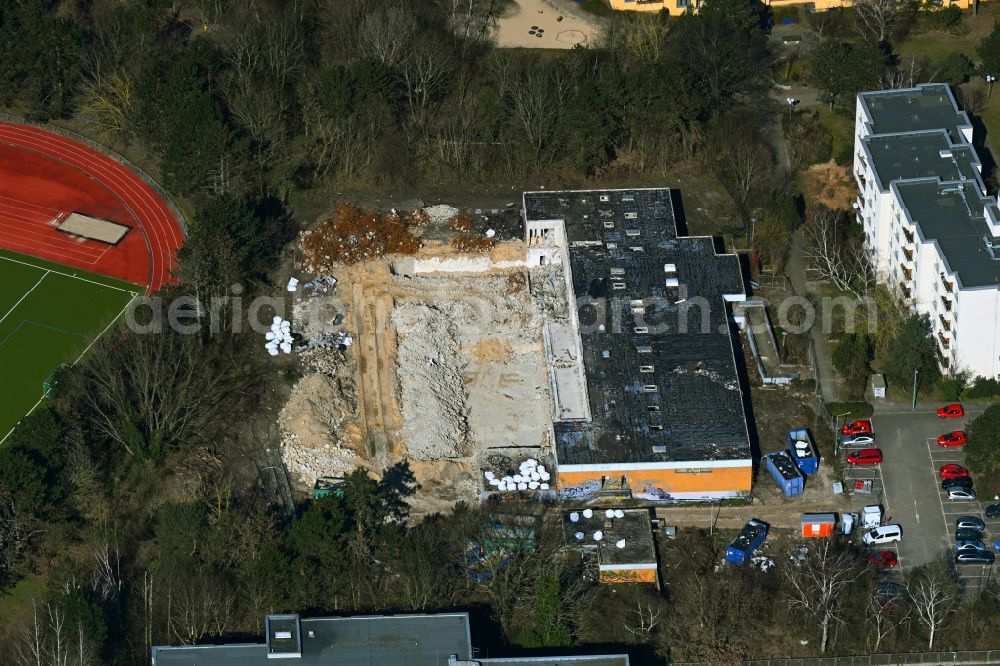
[
  {"x": 946, "y": 324},
  {"x": 948, "y": 286},
  {"x": 943, "y": 339},
  {"x": 946, "y": 303},
  {"x": 907, "y": 273},
  {"x": 907, "y": 256},
  {"x": 908, "y": 236},
  {"x": 943, "y": 360}
]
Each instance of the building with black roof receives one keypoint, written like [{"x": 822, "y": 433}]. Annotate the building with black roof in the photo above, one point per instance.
[
  {"x": 648, "y": 399},
  {"x": 440, "y": 639}
]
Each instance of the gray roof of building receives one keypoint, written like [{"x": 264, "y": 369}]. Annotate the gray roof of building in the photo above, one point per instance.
[
  {"x": 595, "y": 660},
  {"x": 928, "y": 106},
  {"x": 401, "y": 640},
  {"x": 698, "y": 392},
  {"x": 952, "y": 215},
  {"x": 635, "y": 527},
  {"x": 920, "y": 155}
]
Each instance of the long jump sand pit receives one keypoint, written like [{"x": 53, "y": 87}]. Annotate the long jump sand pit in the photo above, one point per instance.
[{"x": 93, "y": 228}]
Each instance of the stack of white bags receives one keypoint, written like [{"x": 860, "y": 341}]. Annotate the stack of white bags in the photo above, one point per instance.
[
  {"x": 530, "y": 476},
  {"x": 279, "y": 337}
]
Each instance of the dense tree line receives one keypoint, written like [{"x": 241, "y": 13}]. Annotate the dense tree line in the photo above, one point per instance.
[{"x": 257, "y": 96}]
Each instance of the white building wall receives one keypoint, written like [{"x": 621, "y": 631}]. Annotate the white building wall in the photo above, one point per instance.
[{"x": 975, "y": 342}]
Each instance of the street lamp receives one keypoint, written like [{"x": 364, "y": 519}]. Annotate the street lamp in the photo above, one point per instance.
[
  {"x": 989, "y": 80},
  {"x": 913, "y": 407},
  {"x": 791, "y": 101}
]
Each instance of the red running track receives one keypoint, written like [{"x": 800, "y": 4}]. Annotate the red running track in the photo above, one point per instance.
[{"x": 45, "y": 176}]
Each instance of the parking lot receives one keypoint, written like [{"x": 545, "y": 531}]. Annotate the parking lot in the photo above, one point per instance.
[{"x": 912, "y": 494}]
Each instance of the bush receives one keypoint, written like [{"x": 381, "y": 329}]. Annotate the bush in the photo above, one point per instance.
[
  {"x": 955, "y": 68},
  {"x": 811, "y": 141},
  {"x": 983, "y": 387},
  {"x": 951, "y": 389},
  {"x": 946, "y": 18},
  {"x": 853, "y": 410},
  {"x": 844, "y": 155}
]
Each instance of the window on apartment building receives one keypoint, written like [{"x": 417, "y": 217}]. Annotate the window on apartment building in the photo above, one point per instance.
[{"x": 683, "y": 4}]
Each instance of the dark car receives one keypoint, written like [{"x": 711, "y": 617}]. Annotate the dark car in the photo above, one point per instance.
[
  {"x": 968, "y": 534},
  {"x": 969, "y": 521},
  {"x": 960, "y": 482},
  {"x": 975, "y": 557},
  {"x": 891, "y": 592},
  {"x": 992, "y": 511},
  {"x": 969, "y": 545}
]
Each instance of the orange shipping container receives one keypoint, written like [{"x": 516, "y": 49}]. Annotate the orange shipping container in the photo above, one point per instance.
[{"x": 818, "y": 524}]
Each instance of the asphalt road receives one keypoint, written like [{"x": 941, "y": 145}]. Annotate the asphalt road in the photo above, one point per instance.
[{"x": 912, "y": 488}]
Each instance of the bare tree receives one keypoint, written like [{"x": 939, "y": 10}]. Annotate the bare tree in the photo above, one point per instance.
[
  {"x": 884, "y": 615},
  {"x": 935, "y": 595},
  {"x": 647, "y": 618},
  {"x": 816, "y": 585},
  {"x": 387, "y": 34},
  {"x": 876, "y": 20},
  {"x": 850, "y": 266},
  {"x": 426, "y": 67},
  {"x": 46, "y": 640},
  {"x": 150, "y": 392}
]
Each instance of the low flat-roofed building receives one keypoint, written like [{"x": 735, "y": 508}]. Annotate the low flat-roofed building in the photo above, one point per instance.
[
  {"x": 656, "y": 357},
  {"x": 621, "y": 539},
  {"x": 441, "y": 639}
]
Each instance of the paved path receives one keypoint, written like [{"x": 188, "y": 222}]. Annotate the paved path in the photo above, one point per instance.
[{"x": 796, "y": 272}]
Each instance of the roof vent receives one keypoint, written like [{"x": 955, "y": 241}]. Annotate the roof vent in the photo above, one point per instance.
[
  {"x": 945, "y": 154},
  {"x": 659, "y": 448}
]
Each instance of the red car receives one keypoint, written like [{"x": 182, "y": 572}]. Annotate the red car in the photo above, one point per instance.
[
  {"x": 954, "y": 438},
  {"x": 862, "y": 427},
  {"x": 885, "y": 558},
  {"x": 952, "y": 471},
  {"x": 952, "y": 411},
  {"x": 865, "y": 457}
]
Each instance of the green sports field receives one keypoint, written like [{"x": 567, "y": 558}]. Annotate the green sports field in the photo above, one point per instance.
[{"x": 49, "y": 315}]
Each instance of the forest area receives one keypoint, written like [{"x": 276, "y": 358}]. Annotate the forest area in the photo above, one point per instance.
[{"x": 130, "y": 513}]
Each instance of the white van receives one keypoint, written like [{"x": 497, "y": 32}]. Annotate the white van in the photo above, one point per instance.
[{"x": 884, "y": 534}]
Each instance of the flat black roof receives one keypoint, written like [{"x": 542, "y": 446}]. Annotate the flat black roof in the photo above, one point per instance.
[
  {"x": 928, "y": 106},
  {"x": 380, "y": 640},
  {"x": 954, "y": 215},
  {"x": 634, "y": 527},
  {"x": 920, "y": 155},
  {"x": 399, "y": 640},
  {"x": 662, "y": 384}
]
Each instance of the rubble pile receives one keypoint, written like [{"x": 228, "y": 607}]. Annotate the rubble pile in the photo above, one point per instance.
[{"x": 431, "y": 380}]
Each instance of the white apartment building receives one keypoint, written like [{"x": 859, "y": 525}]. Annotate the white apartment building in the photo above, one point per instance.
[{"x": 934, "y": 232}]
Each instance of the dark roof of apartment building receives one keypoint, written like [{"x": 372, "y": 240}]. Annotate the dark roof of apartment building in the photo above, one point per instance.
[
  {"x": 953, "y": 214},
  {"x": 660, "y": 365},
  {"x": 928, "y": 106},
  {"x": 920, "y": 155}
]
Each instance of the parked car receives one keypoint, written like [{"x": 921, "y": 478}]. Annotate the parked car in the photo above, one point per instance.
[
  {"x": 975, "y": 557},
  {"x": 960, "y": 482},
  {"x": 952, "y": 471},
  {"x": 891, "y": 592},
  {"x": 969, "y": 521},
  {"x": 857, "y": 440},
  {"x": 961, "y": 495},
  {"x": 883, "y": 558},
  {"x": 952, "y": 411},
  {"x": 954, "y": 438},
  {"x": 865, "y": 457},
  {"x": 992, "y": 511},
  {"x": 860, "y": 427},
  {"x": 882, "y": 535},
  {"x": 969, "y": 545},
  {"x": 968, "y": 534}
]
